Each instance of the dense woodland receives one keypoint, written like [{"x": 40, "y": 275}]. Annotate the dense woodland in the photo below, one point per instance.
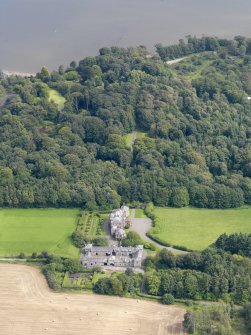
[
  {"x": 209, "y": 275},
  {"x": 196, "y": 116}
]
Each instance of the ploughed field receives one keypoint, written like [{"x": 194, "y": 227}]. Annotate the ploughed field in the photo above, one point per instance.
[
  {"x": 196, "y": 228},
  {"x": 37, "y": 230},
  {"x": 28, "y": 307}
]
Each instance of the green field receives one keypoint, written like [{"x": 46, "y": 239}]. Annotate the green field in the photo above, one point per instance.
[
  {"x": 196, "y": 228},
  {"x": 36, "y": 230}
]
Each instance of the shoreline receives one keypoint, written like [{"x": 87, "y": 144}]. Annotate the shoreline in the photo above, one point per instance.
[{"x": 8, "y": 73}]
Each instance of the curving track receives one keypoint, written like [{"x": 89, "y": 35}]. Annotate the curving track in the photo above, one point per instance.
[{"x": 28, "y": 307}]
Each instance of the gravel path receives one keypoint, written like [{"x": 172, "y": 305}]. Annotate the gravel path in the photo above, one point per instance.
[
  {"x": 177, "y": 60},
  {"x": 134, "y": 137},
  {"x": 107, "y": 230}
]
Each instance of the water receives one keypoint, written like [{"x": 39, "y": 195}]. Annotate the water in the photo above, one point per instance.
[{"x": 34, "y": 33}]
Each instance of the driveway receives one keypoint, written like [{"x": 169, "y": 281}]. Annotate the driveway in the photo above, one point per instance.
[{"x": 142, "y": 226}]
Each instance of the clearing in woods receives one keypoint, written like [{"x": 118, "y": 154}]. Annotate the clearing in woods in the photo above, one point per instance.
[
  {"x": 29, "y": 307},
  {"x": 196, "y": 228},
  {"x": 131, "y": 137},
  {"x": 37, "y": 230},
  {"x": 56, "y": 97}
]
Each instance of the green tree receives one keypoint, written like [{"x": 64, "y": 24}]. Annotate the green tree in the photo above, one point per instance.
[{"x": 179, "y": 197}]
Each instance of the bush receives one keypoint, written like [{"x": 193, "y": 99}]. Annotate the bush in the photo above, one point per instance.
[
  {"x": 73, "y": 266},
  {"x": 21, "y": 255},
  {"x": 167, "y": 299},
  {"x": 132, "y": 240},
  {"x": 78, "y": 239},
  {"x": 189, "y": 322},
  {"x": 100, "y": 241},
  {"x": 51, "y": 279},
  {"x": 34, "y": 255},
  {"x": 110, "y": 286}
]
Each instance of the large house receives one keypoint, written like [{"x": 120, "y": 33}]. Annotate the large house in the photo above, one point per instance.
[
  {"x": 112, "y": 256},
  {"x": 119, "y": 219}
]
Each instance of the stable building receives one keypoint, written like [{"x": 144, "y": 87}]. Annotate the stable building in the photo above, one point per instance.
[{"x": 112, "y": 256}]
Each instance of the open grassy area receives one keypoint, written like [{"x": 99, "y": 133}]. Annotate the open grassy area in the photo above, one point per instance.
[
  {"x": 57, "y": 98},
  {"x": 129, "y": 137},
  {"x": 36, "y": 230},
  {"x": 197, "y": 228},
  {"x": 141, "y": 134}
]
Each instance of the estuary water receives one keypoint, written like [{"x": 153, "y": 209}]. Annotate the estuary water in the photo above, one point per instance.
[{"x": 34, "y": 33}]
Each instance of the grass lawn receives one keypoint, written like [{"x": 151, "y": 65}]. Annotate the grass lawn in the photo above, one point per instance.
[
  {"x": 139, "y": 213},
  {"x": 57, "y": 98},
  {"x": 36, "y": 230},
  {"x": 196, "y": 228}
]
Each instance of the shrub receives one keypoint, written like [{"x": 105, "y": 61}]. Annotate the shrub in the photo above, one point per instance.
[
  {"x": 100, "y": 241},
  {"x": 132, "y": 240},
  {"x": 79, "y": 239},
  {"x": 189, "y": 322},
  {"x": 110, "y": 286},
  {"x": 72, "y": 266},
  {"x": 167, "y": 299},
  {"x": 21, "y": 255},
  {"x": 34, "y": 255},
  {"x": 51, "y": 279}
]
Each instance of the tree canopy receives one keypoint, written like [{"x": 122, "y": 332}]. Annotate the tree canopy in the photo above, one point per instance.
[{"x": 196, "y": 117}]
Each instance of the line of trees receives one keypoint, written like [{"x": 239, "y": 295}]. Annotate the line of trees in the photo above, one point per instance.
[
  {"x": 238, "y": 46},
  {"x": 210, "y": 275}
]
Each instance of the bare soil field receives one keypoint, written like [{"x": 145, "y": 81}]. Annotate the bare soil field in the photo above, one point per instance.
[{"x": 29, "y": 307}]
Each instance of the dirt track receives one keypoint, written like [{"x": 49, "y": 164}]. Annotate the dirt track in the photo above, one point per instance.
[{"x": 28, "y": 307}]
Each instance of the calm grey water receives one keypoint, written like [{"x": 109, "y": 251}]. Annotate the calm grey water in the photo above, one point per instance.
[{"x": 34, "y": 33}]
